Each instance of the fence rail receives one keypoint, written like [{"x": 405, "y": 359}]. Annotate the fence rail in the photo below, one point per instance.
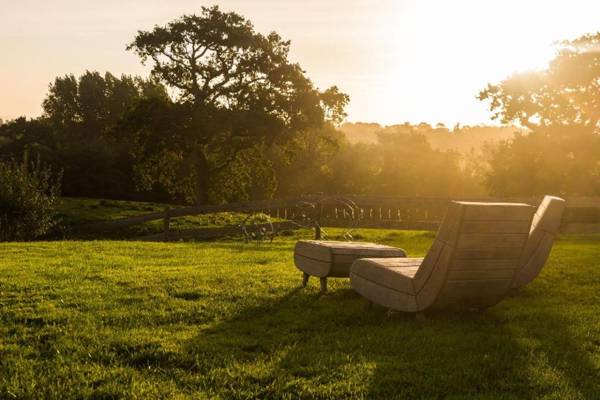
[{"x": 582, "y": 214}]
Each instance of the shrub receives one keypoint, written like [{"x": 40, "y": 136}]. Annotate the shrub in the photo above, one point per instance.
[{"x": 28, "y": 199}]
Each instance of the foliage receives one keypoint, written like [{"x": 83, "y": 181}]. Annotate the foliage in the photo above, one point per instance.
[
  {"x": 561, "y": 107},
  {"x": 89, "y": 106},
  {"x": 103, "y": 319},
  {"x": 400, "y": 162},
  {"x": 28, "y": 199},
  {"x": 463, "y": 139},
  {"x": 410, "y": 166},
  {"x": 73, "y": 134},
  {"x": 565, "y": 93},
  {"x": 304, "y": 165},
  {"x": 226, "y": 116},
  {"x": 235, "y": 90},
  {"x": 83, "y": 113},
  {"x": 550, "y": 161}
]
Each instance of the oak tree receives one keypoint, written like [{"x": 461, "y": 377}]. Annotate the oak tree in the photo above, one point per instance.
[{"x": 234, "y": 91}]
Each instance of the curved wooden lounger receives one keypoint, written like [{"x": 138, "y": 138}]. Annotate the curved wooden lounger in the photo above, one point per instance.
[
  {"x": 472, "y": 263},
  {"x": 544, "y": 229}
]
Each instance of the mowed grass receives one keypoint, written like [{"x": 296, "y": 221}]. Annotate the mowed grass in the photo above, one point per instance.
[
  {"x": 79, "y": 217},
  {"x": 108, "y": 320}
]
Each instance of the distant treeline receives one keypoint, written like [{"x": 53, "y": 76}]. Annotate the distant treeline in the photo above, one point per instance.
[
  {"x": 226, "y": 116},
  {"x": 463, "y": 139}
]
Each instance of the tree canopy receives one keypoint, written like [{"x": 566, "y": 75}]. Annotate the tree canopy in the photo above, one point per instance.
[
  {"x": 92, "y": 104},
  {"x": 235, "y": 90},
  {"x": 566, "y": 93},
  {"x": 226, "y": 116},
  {"x": 561, "y": 107}
]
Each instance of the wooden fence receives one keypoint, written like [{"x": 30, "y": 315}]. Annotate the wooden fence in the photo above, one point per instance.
[{"x": 582, "y": 214}]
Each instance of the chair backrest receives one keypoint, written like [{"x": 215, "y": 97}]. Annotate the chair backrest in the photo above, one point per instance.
[
  {"x": 544, "y": 228},
  {"x": 475, "y": 255}
]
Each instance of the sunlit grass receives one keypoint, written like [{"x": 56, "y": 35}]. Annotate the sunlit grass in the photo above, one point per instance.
[
  {"x": 80, "y": 218},
  {"x": 105, "y": 319}
]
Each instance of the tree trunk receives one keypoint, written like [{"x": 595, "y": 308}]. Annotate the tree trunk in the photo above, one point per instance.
[{"x": 202, "y": 179}]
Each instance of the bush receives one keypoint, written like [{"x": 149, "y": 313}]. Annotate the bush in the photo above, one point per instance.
[{"x": 28, "y": 200}]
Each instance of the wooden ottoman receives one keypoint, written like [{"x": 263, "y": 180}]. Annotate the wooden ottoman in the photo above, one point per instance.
[{"x": 328, "y": 258}]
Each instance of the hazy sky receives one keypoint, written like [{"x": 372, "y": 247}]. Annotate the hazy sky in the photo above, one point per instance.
[{"x": 420, "y": 60}]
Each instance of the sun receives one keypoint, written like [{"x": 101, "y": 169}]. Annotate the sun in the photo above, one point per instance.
[{"x": 439, "y": 55}]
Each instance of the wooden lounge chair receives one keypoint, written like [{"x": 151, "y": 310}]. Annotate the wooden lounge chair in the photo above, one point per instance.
[
  {"x": 544, "y": 229},
  {"x": 472, "y": 263},
  {"x": 330, "y": 258}
]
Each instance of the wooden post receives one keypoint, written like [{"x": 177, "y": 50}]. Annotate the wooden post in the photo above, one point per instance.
[
  {"x": 305, "y": 277},
  {"x": 318, "y": 223},
  {"x": 167, "y": 224},
  {"x": 323, "y": 285}
]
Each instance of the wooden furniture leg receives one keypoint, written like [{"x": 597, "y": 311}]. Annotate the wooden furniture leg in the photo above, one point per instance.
[
  {"x": 305, "y": 277},
  {"x": 323, "y": 285}
]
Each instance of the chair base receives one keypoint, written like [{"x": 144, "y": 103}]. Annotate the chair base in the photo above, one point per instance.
[
  {"x": 305, "y": 277},
  {"x": 323, "y": 285},
  {"x": 323, "y": 282}
]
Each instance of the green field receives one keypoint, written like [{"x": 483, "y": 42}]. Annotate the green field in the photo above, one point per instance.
[
  {"x": 111, "y": 319},
  {"x": 79, "y": 217}
]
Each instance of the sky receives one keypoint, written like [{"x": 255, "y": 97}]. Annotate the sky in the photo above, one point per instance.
[{"x": 399, "y": 60}]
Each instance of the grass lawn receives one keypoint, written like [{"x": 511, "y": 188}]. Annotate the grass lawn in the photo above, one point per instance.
[
  {"x": 110, "y": 319},
  {"x": 77, "y": 217}
]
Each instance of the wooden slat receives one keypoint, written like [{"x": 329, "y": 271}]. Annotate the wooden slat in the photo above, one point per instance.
[
  {"x": 384, "y": 296},
  {"x": 480, "y": 274},
  {"x": 493, "y": 253},
  {"x": 368, "y": 250},
  {"x": 435, "y": 281},
  {"x": 476, "y": 294},
  {"x": 495, "y": 226},
  {"x": 311, "y": 266},
  {"x": 397, "y": 262},
  {"x": 485, "y": 240},
  {"x": 312, "y": 249},
  {"x": 349, "y": 258},
  {"x": 451, "y": 225},
  {"x": 466, "y": 264},
  {"x": 429, "y": 263},
  {"x": 498, "y": 211}
]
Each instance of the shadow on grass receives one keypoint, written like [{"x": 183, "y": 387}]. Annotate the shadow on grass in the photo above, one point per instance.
[{"x": 331, "y": 346}]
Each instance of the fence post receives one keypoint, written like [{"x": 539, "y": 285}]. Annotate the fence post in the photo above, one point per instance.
[
  {"x": 167, "y": 224},
  {"x": 318, "y": 223}
]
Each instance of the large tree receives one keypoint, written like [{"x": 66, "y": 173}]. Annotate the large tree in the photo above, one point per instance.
[
  {"x": 235, "y": 93},
  {"x": 566, "y": 93},
  {"x": 560, "y": 106}
]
